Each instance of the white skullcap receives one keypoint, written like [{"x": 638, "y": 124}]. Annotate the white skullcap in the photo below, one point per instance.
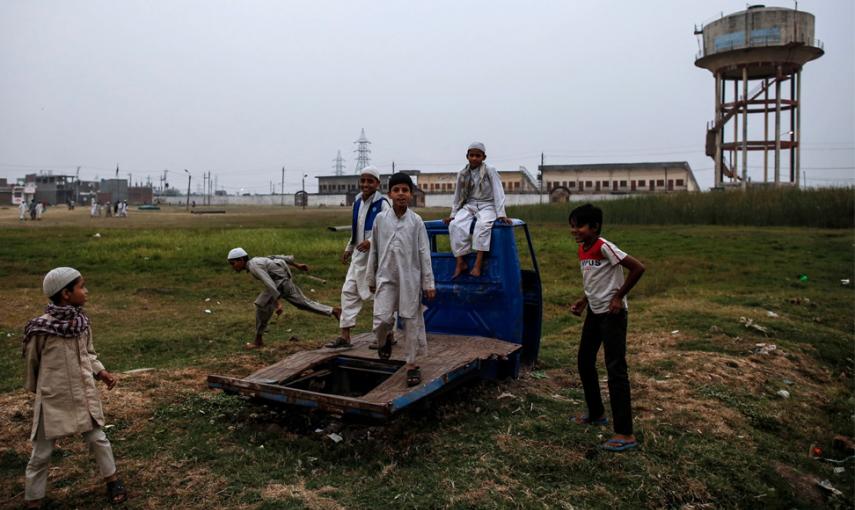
[
  {"x": 477, "y": 146},
  {"x": 372, "y": 171},
  {"x": 236, "y": 253},
  {"x": 58, "y": 278}
]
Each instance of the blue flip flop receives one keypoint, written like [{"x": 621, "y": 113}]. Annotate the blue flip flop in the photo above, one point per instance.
[
  {"x": 586, "y": 420},
  {"x": 622, "y": 445}
]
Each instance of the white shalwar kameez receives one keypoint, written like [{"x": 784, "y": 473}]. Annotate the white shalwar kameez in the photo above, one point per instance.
[
  {"x": 356, "y": 290},
  {"x": 399, "y": 267},
  {"x": 479, "y": 196},
  {"x": 40, "y": 208},
  {"x": 93, "y": 211},
  {"x": 22, "y": 210}
]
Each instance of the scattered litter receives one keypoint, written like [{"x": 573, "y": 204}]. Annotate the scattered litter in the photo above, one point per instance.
[
  {"x": 288, "y": 330},
  {"x": 318, "y": 431},
  {"x": 676, "y": 331},
  {"x": 208, "y": 310},
  {"x": 108, "y": 427},
  {"x": 803, "y": 277},
  {"x": 770, "y": 313},
  {"x": 8, "y": 335},
  {"x": 839, "y": 469},
  {"x": 749, "y": 323},
  {"x": 335, "y": 437},
  {"x": 137, "y": 370},
  {"x": 844, "y": 282},
  {"x": 207, "y": 299},
  {"x": 783, "y": 393},
  {"x": 477, "y": 409},
  {"x": 311, "y": 290},
  {"x": 659, "y": 409},
  {"x": 540, "y": 374},
  {"x": 218, "y": 302},
  {"x": 764, "y": 348},
  {"x": 826, "y": 484},
  {"x": 505, "y": 395},
  {"x": 97, "y": 235}
]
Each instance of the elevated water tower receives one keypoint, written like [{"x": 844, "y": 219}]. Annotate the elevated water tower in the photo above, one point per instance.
[{"x": 756, "y": 57}]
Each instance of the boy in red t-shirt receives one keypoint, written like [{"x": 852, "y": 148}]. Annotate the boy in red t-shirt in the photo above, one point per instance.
[{"x": 602, "y": 266}]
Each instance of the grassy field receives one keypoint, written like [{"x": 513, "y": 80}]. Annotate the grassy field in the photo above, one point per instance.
[{"x": 714, "y": 432}]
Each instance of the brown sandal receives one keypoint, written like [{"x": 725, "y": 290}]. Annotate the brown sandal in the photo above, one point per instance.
[{"x": 414, "y": 376}]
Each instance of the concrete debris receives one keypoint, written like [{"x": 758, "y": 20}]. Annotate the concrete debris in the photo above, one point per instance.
[
  {"x": 335, "y": 437},
  {"x": 764, "y": 348},
  {"x": 783, "y": 393},
  {"x": 826, "y": 485},
  {"x": 749, "y": 323},
  {"x": 770, "y": 313}
]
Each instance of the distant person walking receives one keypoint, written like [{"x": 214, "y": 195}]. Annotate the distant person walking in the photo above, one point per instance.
[
  {"x": 40, "y": 208},
  {"x": 22, "y": 210},
  {"x": 93, "y": 211}
]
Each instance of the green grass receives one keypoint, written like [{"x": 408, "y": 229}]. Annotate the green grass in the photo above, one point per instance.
[{"x": 182, "y": 445}]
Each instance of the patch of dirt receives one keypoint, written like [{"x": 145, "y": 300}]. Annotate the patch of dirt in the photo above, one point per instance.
[{"x": 312, "y": 499}]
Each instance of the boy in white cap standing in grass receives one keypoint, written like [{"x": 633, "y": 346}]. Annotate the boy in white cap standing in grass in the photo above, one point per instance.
[
  {"x": 355, "y": 290},
  {"x": 274, "y": 273},
  {"x": 62, "y": 368},
  {"x": 478, "y": 196}
]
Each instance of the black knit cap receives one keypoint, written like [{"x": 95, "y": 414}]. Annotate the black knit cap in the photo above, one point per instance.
[{"x": 401, "y": 178}]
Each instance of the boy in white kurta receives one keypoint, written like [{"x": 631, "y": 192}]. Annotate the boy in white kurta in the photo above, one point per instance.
[
  {"x": 22, "y": 210},
  {"x": 274, "y": 273},
  {"x": 478, "y": 196},
  {"x": 62, "y": 368},
  {"x": 355, "y": 290},
  {"x": 399, "y": 270}
]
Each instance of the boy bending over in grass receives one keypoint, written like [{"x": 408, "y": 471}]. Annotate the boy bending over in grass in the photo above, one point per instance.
[
  {"x": 274, "y": 273},
  {"x": 399, "y": 271},
  {"x": 62, "y": 368},
  {"x": 602, "y": 266}
]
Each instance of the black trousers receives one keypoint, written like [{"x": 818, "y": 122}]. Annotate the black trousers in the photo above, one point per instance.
[{"x": 610, "y": 331}]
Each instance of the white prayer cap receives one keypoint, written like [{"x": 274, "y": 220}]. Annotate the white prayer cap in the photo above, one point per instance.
[
  {"x": 372, "y": 171},
  {"x": 236, "y": 253},
  {"x": 58, "y": 278},
  {"x": 477, "y": 146}
]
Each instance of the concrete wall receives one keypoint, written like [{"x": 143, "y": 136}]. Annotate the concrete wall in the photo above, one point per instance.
[
  {"x": 770, "y": 26},
  {"x": 272, "y": 200}
]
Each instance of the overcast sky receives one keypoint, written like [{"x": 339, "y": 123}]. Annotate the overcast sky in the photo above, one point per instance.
[{"x": 241, "y": 88}]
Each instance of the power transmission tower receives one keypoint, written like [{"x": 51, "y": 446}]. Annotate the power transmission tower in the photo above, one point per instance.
[
  {"x": 339, "y": 164},
  {"x": 362, "y": 152}
]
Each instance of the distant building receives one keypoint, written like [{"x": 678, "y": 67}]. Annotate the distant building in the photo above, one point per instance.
[
  {"x": 138, "y": 195},
  {"x": 513, "y": 181},
  {"x": 112, "y": 190},
  {"x": 52, "y": 189},
  {"x": 348, "y": 185},
  {"x": 561, "y": 181}
]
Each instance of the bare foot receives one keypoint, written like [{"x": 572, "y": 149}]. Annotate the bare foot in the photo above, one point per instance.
[
  {"x": 459, "y": 268},
  {"x": 336, "y": 312},
  {"x": 476, "y": 272}
]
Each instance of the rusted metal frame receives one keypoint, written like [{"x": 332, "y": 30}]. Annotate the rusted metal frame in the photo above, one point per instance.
[
  {"x": 778, "y": 127},
  {"x": 745, "y": 129},
  {"x": 303, "y": 398},
  {"x": 798, "y": 125},
  {"x": 733, "y": 161},
  {"x": 718, "y": 129},
  {"x": 766, "y": 130},
  {"x": 793, "y": 177},
  {"x": 757, "y": 145}
]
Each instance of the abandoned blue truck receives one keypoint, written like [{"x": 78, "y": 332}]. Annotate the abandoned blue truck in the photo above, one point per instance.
[{"x": 486, "y": 327}]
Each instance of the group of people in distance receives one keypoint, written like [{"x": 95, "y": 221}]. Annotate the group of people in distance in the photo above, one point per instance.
[
  {"x": 118, "y": 209},
  {"x": 389, "y": 262},
  {"x": 34, "y": 209}
]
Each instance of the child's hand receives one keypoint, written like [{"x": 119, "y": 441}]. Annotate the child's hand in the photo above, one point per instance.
[
  {"x": 364, "y": 246},
  {"x": 505, "y": 220},
  {"x": 345, "y": 257},
  {"x": 615, "y": 305},
  {"x": 430, "y": 294},
  {"x": 578, "y": 307},
  {"x": 107, "y": 378},
  {"x": 447, "y": 220}
]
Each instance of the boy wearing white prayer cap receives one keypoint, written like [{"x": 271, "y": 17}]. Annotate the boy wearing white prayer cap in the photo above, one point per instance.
[
  {"x": 274, "y": 273},
  {"x": 61, "y": 369},
  {"x": 478, "y": 196},
  {"x": 355, "y": 290}
]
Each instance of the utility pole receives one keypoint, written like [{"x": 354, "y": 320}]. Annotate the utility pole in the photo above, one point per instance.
[
  {"x": 282, "y": 192},
  {"x": 305, "y": 198},
  {"x": 77, "y": 185},
  {"x": 393, "y": 167},
  {"x": 188, "y": 188},
  {"x": 362, "y": 150},
  {"x": 540, "y": 177},
  {"x": 339, "y": 164}
]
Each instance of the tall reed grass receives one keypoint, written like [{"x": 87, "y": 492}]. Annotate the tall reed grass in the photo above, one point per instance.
[{"x": 825, "y": 208}]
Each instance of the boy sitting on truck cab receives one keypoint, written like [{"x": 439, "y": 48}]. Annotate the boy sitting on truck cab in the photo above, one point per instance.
[{"x": 478, "y": 196}]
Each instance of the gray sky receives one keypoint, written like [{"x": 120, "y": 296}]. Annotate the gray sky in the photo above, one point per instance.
[{"x": 242, "y": 88}]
